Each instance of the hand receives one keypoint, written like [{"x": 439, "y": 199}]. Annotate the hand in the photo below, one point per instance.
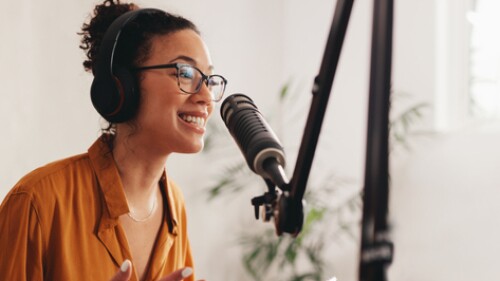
[{"x": 125, "y": 273}]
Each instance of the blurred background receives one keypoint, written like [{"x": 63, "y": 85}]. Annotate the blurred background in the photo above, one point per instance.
[{"x": 445, "y": 130}]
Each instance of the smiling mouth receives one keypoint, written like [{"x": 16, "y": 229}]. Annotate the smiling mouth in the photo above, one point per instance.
[{"x": 196, "y": 120}]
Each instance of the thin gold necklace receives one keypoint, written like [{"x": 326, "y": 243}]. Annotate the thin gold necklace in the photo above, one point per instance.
[{"x": 145, "y": 218}]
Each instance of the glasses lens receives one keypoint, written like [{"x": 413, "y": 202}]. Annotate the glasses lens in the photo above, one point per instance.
[
  {"x": 216, "y": 84},
  {"x": 189, "y": 79}
]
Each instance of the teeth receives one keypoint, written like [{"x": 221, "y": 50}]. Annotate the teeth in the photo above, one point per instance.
[{"x": 193, "y": 119}]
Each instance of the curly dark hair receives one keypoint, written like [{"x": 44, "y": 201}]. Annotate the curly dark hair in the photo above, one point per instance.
[{"x": 137, "y": 34}]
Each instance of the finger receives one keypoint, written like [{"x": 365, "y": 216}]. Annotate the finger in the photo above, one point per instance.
[
  {"x": 124, "y": 273},
  {"x": 178, "y": 275}
]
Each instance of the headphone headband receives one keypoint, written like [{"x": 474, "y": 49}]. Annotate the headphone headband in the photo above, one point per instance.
[{"x": 114, "y": 90}]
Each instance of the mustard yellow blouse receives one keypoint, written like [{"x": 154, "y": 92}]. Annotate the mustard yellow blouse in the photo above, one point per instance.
[{"x": 60, "y": 222}]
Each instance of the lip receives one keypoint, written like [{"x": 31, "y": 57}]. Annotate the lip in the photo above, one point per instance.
[
  {"x": 192, "y": 126},
  {"x": 197, "y": 113}
]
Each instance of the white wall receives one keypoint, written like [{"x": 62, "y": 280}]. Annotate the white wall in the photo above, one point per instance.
[
  {"x": 45, "y": 112},
  {"x": 445, "y": 190},
  {"x": 443, "y": 196}
]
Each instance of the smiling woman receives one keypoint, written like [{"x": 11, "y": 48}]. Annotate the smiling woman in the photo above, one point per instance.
[
  {"x": 165, "y": 105},
  {"x": 112, "y": 213}
]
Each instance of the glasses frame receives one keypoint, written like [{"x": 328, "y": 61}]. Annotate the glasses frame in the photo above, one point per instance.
[{"x": 177, "y": 66}]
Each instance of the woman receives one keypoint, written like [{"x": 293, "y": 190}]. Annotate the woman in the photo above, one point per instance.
[{"x": 88, "y": 216}]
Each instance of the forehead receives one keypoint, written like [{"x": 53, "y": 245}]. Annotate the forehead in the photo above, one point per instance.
[{"x": 184, "y": 43}]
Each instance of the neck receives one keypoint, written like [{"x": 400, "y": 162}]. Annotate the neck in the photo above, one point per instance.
[{"x": 139, "y": 167}]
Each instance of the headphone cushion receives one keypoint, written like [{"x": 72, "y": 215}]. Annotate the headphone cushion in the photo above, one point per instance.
[
  {"x": 116, "y": 97},
  {"x": 126, "y": 82}
]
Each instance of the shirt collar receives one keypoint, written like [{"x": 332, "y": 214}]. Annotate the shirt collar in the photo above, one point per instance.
[
  {"x": 108, "y": 177},
  {"x": 171, "y": 214}
]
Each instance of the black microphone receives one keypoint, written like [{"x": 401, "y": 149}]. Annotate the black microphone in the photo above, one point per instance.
[{"x": 255, "y": 138}]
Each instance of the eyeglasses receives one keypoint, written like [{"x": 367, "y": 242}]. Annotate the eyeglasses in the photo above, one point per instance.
[{"x": 190, "y": 78}]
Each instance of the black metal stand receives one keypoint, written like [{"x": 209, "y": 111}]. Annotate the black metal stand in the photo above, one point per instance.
[{"x": 376, "y": 248}]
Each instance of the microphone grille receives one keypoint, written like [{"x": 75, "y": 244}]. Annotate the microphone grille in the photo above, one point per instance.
[
  {"x": 234, "y": 103},
  {"x": 251, "y": 132}
]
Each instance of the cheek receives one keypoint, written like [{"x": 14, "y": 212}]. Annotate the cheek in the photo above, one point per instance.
[
  {"x": 210, "y": 109},
  {"x": 154, "y": 98},
  {"x": 149, "y": 110},
  {"x": 156, "y": 110}
]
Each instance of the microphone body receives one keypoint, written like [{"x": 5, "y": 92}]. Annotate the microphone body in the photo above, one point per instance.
[
  {"x": 265, "y": 156},
  {"x": 255, "y": 138}
]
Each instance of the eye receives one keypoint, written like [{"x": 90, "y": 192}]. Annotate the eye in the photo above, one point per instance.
[
  {"x": 186, "y": 72},
  {"x": 214, "y": 81}
]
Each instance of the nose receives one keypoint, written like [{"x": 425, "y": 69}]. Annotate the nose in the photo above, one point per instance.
[{"x": 203, "y": 96}]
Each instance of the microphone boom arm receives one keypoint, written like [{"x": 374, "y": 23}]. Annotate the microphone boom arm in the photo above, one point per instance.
[{"x": 290, "y": 218}]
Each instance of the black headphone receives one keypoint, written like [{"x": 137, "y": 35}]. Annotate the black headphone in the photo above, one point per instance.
[{"x": 115, "y": 91}]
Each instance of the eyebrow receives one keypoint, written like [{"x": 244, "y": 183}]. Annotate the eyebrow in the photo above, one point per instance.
[{"x": 190, "y": 60}]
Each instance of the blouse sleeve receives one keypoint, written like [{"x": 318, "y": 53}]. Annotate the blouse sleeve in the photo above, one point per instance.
[{"x": 20, "y": 239}]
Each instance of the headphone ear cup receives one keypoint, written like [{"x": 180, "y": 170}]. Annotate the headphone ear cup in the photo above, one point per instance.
[
  {"x": 116, "y": 98},
  {"x": 104, "y": 95},
  {"x": 126, "y": 82}
]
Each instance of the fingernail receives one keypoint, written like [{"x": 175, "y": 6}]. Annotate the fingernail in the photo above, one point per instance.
[
  {"x": 125, "y": 265},
  {"x": 187, "y": 272}
]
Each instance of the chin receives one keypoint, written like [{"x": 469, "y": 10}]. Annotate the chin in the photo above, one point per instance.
[{"x": 193, "y": 149}]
